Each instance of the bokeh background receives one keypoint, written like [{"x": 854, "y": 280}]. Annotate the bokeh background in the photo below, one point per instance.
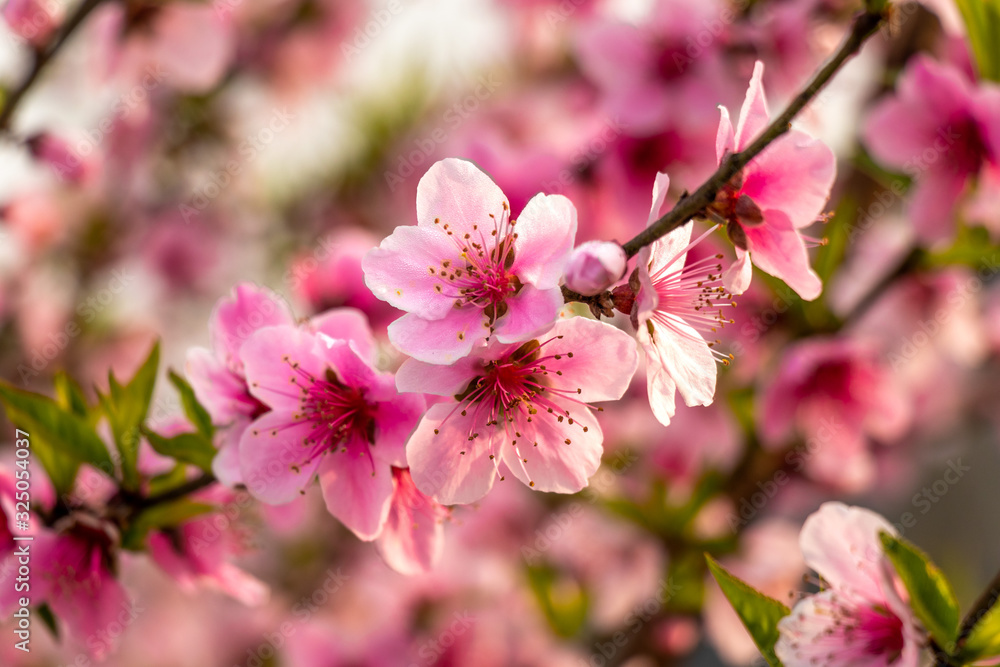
[{"x": 170, "y": 150}]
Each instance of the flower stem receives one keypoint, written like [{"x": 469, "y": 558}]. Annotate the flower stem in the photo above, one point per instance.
[
  {"x": 42, "y": 56},
  {"x": 688, "y": 207}
]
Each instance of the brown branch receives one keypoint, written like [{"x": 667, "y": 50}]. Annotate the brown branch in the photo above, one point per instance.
[{"x": 863, "y": 27}]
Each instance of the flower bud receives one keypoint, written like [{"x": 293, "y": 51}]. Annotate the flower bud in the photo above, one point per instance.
[
  {"x": 30, "y": 20},
  {"x": 595, "y": 266}
]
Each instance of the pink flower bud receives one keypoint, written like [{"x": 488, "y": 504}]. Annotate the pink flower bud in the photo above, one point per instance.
[
  {"x": 595, "y": 266},
  {"x": 30, "y": 20}
]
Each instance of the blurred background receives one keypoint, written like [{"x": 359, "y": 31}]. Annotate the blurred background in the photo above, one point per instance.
[{"x": 169, "y": 150}]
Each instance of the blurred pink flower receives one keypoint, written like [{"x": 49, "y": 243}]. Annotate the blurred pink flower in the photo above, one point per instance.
[
  {"x": 31, "y": 20},
  {"x": 217, "y": 375},
  {"x": 836, "y": 395},
  {"x": 859, "y": 619},
  {"x": 675, "y": 305},
  {"x": 197, "y": 553},
  {"x": 525, "y": 405},
  {"x": 468, "y": 271},
  {"x": 57, "y": 154},
  {"x": 331, "y": 414},
  {"x": 73, "y": 572},
  {"x": 781, "y": 191},
  {"x": 941, "y": 129},
  {"x": 412, "y": 539}
]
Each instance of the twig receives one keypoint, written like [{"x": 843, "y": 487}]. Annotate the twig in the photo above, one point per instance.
[
  {"x": 863, "y": 27},
  {"x": 42, "y": 57},
  {"x": 196, "y": 484}
]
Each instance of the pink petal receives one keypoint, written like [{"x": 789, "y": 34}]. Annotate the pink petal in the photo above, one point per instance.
[
  {"x": 604, "y": 359},
  {"x": 737, "y": 276},
  {"x": 395, "y": 419},
  {"x": 437, "y": 464},
  {"x": 753, "y": 116},
  {"x": 348, "y": 324},
  {"x": 194, "y": 44},
  {"x": 442, "y": 341},
  {"x": 459, "y": 194},
  {"x": 413, "y": 536},
  {"x": 223, "y": 393},
  {"x": 671, "y": 250},
  {"x": 437, "y": 379},
  {"x": 530, "y": 312},
  {"x": 725, "y": 139},
  {"x": 661, "y": 185},
  {"x": 355, "y": 493},
  {"x": 777, "y": 249},
  {"x": 932, "y": 204},
  {"x": 399, "y": 270},
  {"x": 546, "y": 232},
  {"x": 279, "y": 361},
  {"x": 682, "y": 354},
  {"x": 236, "y": 318},
  {"x": 351, "y": 369},
  {"x": 274, "y": 458},
  {"x": 226, "y": 464},
  {"x": 897, "y": 132},
  {"x": 615, "y": 55},
  {"x": 553, "y": 464},
  {"x": 793, "y": 175},
  {"x": 239, "y": 585},
  {"x": 842, "y": 545}
]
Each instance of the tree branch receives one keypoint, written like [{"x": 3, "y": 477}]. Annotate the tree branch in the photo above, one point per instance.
[{"x": 863, "y": 27}]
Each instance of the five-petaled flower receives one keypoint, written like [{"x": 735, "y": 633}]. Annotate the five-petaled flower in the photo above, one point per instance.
[
  {"x": 331, "y": 414},
  {"x": 526, "y": 405},
  {"x": 468, "y": 271},
  {"x": 781, "y": 191}
]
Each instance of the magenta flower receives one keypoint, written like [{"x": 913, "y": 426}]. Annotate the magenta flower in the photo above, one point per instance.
[
  {"x": 781, "y": 191},
  {"x": 331, "y": 414},
  {"x": 941, "y": 129},
  {"x": 413, "y": 537},
  {"x": 836, "y": 395},
  {"x": 676, "y": 305},
  {"x": 858, "y": 619},
  {"x": 468, "y": 270},
  {"x": 217, "y": 374},
  {"x": 525, "y": 405},
  {"x": 73, "y": 573}
]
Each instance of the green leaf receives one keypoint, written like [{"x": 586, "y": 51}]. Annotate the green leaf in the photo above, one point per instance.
[
  {"x": 60, "y": 439},
  {"x": 169, "y": 480},
  {"x": 930, "y": 594},
  {"x": 982, "y": 22},
  {"x": 165, "y": 515},
  {"x": 984, "y": 639},
  {"x": 196, "y": 413},
  {"x": 70, "y": 396},
  {"x": 126, "y": 407},
  {"x": 561, "y": 597},
  {"x": 759, "y": 613},
  {"x": 193, "y": 448}
]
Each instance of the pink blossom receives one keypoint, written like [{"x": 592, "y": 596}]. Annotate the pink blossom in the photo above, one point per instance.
[
  {"x": 412, "y": 539},
  {"x": 781, "y": 191},
  {"x": 217, "y": 374},
  {"x": 31, "y": 20},
  {"x": 595, "y": 266},
  {"x": 468, "y": 271},
  {"x": 73, "y": 572},
  {"x": 523, "y": 404},
  {"x": 941, "y": 129},
  {"x": 676, "y": 305},
  {"x": 60, "y": 157},
  {"x": 859, "y": 618},
  {"x": 331, "y": 414},
  {"x": 836, "y": 395},
  {"x": 197, "y": 553}
]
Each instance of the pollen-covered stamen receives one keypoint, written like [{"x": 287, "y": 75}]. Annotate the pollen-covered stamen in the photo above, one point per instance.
[
  {"x": 514, "y": 391},
  {"x": 854, "y": 634},
  {"x": 339, "y": 415},
  {"x": 693, "y": 295},
  {"x": 481, "y": 276}
]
